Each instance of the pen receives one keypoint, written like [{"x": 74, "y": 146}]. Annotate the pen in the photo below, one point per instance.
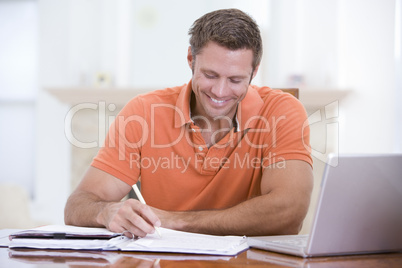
[{"x": 139, "y": 195}]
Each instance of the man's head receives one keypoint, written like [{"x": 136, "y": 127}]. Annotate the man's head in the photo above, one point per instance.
[
  {"x": 224, "y": 57},
  {"x": 229, "y": 28}
]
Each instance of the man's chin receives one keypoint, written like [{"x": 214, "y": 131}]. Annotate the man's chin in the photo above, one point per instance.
[{"x": 220, "y": 115}]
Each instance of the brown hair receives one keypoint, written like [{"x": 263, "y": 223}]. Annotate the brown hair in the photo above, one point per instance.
[{"x": 230, "y": 28}]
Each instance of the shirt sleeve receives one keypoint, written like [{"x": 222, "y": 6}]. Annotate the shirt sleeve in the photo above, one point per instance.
[
  {"x": 121, "y": 152},
  {"x": 289, "y": 135}
]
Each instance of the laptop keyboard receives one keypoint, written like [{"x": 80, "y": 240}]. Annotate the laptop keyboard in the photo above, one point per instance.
[{"x": 297, "y": 241}]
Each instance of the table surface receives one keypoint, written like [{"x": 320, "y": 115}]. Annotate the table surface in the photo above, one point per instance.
[{"x": 249, "y": 258}]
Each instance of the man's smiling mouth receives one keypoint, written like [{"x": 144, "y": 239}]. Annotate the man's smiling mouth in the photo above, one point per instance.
[{"x": 217, "y": 101}]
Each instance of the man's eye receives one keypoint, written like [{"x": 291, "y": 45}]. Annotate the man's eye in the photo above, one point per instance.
[
  {"x": 234, "y": 81},
  {"x": 210, "y": 76}
]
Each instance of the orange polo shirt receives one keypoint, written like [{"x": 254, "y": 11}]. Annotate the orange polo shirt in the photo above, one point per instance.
[{"x": 154, "y": 138}]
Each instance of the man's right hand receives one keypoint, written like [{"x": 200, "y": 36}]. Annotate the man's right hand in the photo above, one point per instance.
[
  {"x": 96, "y": 203},
  {"x": 130, "y": 215}
]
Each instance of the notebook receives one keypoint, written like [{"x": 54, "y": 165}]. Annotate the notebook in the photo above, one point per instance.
[
  {"x": 359, "y": 210},
  {"x": 85, "y": 238}
]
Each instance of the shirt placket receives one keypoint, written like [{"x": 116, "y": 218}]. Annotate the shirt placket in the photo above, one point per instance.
[{"x": 213, "y": 158}]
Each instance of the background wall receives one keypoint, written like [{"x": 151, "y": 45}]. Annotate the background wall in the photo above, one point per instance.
[
  {"x": 311, "y": 44},
  {"x": 18, "y": 88}
]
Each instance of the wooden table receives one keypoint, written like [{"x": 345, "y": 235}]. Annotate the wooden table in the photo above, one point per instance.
[{"x": 249, "y": 258}]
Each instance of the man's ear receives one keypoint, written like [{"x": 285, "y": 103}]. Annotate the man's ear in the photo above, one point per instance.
[
  {"x": 190, "y": 58},
  {"x": 255, "y": 71}
]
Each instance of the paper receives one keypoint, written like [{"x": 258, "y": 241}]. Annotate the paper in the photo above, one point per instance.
[
  {"x": 177, "y": 241},
  {"x": 65, "y": 230},
  {"x": 75, "y": 238},
  {"x": 93, "y": 244},
  {"x": 4, "y": 236},
  {"x": 171, "y": 241}
]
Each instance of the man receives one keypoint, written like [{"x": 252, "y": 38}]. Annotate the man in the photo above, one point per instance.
[{"x": 216, "y": 155}]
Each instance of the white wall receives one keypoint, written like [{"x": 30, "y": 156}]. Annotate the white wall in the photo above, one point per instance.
[
  {"x": 139, "y": 43},
  {"x": 367, "y": 65},
  {"x": 342, "y": 44},
  {"x": 398, "y": 76},
  {"x": 302, "y": 40},
  {"x": 52, "y": 161},
  {"x": 18, "y": 88}
]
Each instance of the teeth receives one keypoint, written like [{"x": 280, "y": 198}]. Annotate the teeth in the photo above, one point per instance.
[{"x": 217, "y": 101}]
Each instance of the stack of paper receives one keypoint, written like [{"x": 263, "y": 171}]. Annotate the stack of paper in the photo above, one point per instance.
[
  {"x": 65, "y": 231},
  {"x": 70, "y": 237}
]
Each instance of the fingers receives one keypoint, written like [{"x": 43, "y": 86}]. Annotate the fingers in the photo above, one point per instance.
[{"x": 134, "y": 217}]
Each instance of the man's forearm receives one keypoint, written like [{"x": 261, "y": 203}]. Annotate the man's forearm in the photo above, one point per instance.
[
  {"x": 262, "y": 215},
  {"x": 86, "y": 209},
  {"x": 83, "y": 209}
]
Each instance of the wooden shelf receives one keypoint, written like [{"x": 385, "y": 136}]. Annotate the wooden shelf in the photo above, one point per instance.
[
  {"x": 311, "y": 98},
  {"x": 76, "y": 95}
]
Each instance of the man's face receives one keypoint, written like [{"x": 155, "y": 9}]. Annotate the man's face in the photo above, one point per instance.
[{"x": 220, "y": 80}]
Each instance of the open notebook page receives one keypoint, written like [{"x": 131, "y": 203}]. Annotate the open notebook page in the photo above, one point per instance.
[{"x": 177, "y": 241}]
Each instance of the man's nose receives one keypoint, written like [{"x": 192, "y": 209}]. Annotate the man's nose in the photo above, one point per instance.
[{"x": 220, "y": 88}]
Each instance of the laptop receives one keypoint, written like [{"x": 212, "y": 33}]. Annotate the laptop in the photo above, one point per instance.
[{"x": 359, "y": 210}]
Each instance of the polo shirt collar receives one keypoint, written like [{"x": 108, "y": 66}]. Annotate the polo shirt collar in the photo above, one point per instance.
[
  {"x": 182, "y": 115},
  {"x": 248, "y": 107}
]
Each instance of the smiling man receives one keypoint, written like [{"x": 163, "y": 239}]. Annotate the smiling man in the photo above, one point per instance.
[{"x": 217, "y": 155}]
